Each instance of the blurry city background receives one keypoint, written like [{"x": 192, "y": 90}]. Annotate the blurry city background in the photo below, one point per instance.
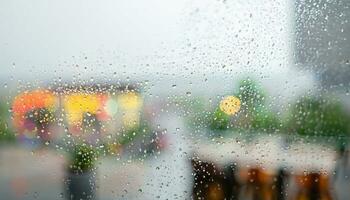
[{"x": 165, "y": 99}]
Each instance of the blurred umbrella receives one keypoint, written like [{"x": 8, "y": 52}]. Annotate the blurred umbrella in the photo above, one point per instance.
[
  {"x": 130, "y": 104},
  {"x": 130, "y": 101},
  {"x": 27, "y": 106},
  {"x": 78, "y": 104}
]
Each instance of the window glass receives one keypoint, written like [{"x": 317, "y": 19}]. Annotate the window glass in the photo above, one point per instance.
[{"x": 174, "y": 99}]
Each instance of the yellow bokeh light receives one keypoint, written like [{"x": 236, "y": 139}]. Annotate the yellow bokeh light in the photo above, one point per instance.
[
  {"x": 129, "y": 101},
  {"x": 130, "y": 119},
  {"x": 230, "y": 105},
  {"x": 77, "y": 104}
]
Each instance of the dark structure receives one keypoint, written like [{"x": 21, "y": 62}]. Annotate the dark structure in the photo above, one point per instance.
[
  {"x": 323, "y": 40},
  {"x": 214, "y": 183}
]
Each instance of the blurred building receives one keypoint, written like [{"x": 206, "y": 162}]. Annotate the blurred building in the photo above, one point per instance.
[{"x": 323, "y": 40}]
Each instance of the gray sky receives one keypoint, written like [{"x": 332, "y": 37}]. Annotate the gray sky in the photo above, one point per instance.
[
  {"x": 37, "y": 35},
  {"x": 181, "y": 42}
]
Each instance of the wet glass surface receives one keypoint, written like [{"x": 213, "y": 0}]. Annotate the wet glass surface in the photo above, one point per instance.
[{"x": 185, "y": 99}]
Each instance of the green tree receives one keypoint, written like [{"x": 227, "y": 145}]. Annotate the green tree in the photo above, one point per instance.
[
  {"x": 266, "y": 120},
  {"x": 254, "y": 114},
  {"x": 251, "y": 95},
  {"x": 6, "y": 133},
  {"x": 318, "y": 116},
  {"x": 219, "y": 120}
]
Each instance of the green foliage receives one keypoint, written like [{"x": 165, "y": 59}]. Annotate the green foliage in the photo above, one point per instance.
[
  {"x": 83, "y": 158},
  {"x": 265, "y": 120},
  {"x": 318, "y": 116},
  {"x": 130, "y": 134},
  {"x": 253, "y": 115},
  {"x": 251, "y": 95},
  {"x": 219, "y": 120},
  {"x": 6, "y": 134}
]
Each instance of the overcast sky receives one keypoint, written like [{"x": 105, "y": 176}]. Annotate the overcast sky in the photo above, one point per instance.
[{"x": 176, "y": 42}]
